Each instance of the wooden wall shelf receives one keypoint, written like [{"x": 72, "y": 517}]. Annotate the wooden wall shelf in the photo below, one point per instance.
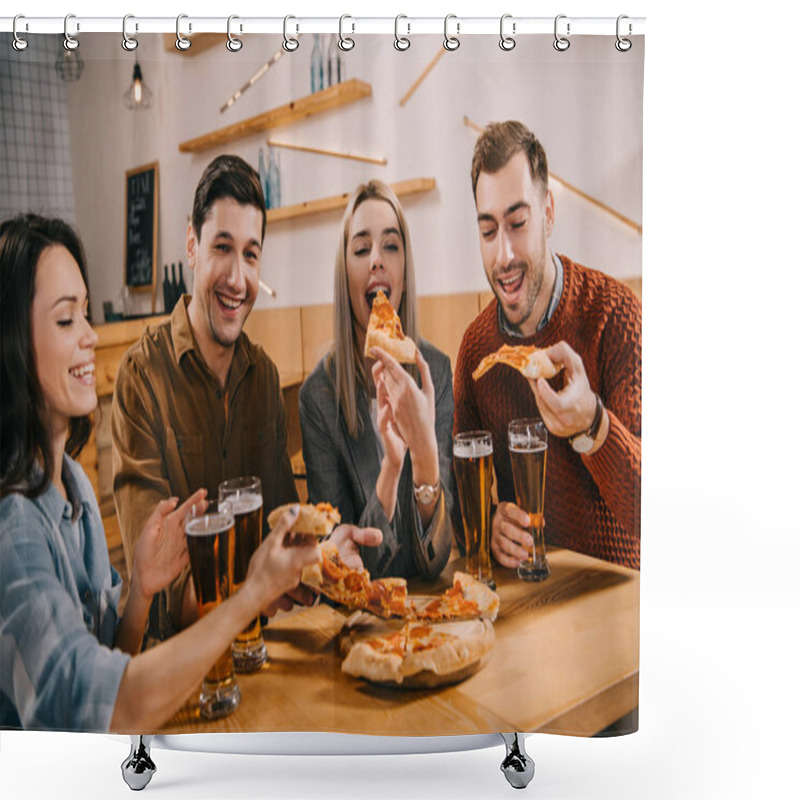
[
  {"x": 323, "y": 204},
  {"x": 325, "y": 100},
  {"x": 200, "y": 42}
]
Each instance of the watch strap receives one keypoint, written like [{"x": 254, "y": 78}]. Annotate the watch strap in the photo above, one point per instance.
[{"x": 594, "y": 428}]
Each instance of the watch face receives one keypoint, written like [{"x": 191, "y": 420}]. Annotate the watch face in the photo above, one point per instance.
[
  {"x": 582, "y": 443},
  {"x": 425, "y": 496}
]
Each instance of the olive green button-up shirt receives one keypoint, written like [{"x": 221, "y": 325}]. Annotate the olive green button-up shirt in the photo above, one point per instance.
[{"x": 174, "y": 432}]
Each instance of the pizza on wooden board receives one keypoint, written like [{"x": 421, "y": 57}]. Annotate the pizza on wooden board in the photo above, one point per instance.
[
  {"x": 416, "y": 654},
  {"x": 385, "y": 331},
  {"x": 531, "y": 361}
]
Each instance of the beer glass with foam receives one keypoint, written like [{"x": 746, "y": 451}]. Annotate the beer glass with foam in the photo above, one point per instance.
[
  {"x": 473, "y": 461},
  {"x": 209, "y": 537},
  {"x": 245, "y": 498},
  {"x": 527, "y": 447}
]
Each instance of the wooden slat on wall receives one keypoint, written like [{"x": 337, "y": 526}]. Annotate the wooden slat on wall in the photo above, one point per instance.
[
  {"x": 317, "y": 327},
  {"x": 443, "y": 319},
  {"x": 278, "y": 331},
  {"x": 635, "y": 284}
]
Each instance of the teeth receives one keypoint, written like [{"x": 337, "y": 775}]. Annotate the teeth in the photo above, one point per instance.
[
  {"x": 80, "y": 372},
  {"x": 509, "y": 281},
  {"x": 228, "y": 302}
]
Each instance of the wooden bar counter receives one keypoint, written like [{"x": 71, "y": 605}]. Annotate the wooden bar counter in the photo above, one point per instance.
[{"x": 565, "y": 661}]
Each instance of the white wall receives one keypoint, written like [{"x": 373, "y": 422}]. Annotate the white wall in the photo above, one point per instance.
[{"x": 584, "y": 104}]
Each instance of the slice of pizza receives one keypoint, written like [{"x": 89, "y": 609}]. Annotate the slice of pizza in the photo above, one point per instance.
[
  {"x": 385, "y": 331},
  {"x": 467, "y": 598},
  {"x": 386, "y": 597},
  {"x": 531, "y": 361},
  {"x": 313, "y": 520}
]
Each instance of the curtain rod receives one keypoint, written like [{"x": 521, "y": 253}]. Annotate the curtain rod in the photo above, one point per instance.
[{"x": 348, "y": 25}]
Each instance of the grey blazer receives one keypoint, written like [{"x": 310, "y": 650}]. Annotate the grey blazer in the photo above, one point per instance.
[{"x": 343, "y": 471}]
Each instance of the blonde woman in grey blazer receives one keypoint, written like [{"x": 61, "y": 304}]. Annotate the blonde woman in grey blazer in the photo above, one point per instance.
[{"x": 377, "y": 436}]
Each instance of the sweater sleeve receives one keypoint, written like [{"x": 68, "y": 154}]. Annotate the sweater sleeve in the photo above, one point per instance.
[{"x": 617, "y": 466}]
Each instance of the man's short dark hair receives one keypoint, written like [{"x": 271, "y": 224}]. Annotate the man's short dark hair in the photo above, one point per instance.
[
  {"x": 500, "y": 142},
  {"x": 228, "y": 176}
]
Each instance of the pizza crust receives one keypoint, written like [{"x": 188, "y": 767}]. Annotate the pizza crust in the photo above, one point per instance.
[
  {"x": 451, "y": 652},
  {"x": 488, "y": 601},
  {"x": 313, "y": 520},
  {"x": 404, "y": 350}
]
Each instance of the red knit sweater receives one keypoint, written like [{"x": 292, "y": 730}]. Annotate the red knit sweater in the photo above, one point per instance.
[{"x": 592, "y": 503}]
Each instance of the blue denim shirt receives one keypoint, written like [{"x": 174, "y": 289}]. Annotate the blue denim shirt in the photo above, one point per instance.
[{"x": 58, "y": 611}]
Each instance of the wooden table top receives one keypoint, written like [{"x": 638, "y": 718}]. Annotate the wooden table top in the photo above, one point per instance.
[{"x": 566, "y": 660}]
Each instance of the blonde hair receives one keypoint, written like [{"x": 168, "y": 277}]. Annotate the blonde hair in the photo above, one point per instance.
[{"x": 345, "y": 358}]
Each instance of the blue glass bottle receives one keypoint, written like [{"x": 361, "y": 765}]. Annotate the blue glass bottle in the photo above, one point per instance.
[
  {"x": 263, "y": 176},
  {"x": 317, "y": 69},
  {"x": 274, "y": 172}
]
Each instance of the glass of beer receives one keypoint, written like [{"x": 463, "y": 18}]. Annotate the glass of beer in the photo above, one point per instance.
[
  {"x": 527, "y": 446},
  {"x": 244, "y": 497},
  {"x": 473, "y": 460},
  {"x": 209, "y": 537}
]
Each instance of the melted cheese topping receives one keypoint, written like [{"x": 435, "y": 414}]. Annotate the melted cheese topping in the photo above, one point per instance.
[
  {"x": 384, "y": 318},
  {"x": 516, "y": 357}
]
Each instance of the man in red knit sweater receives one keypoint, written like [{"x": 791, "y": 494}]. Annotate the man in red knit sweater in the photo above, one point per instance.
[{"x": 591, "y": 324}]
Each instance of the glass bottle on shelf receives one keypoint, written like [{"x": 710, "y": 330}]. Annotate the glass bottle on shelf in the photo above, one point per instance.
[
  {"x": 167, "y": 292},
  {"x": 334, "y": 61},
  {"x": 317, "y": 69},
  {"x": 181, "y": 284},
  {"x": 263, "y": 176},
  {"x": 274, "y": 172},
  {"x": 173, "y": 289}
]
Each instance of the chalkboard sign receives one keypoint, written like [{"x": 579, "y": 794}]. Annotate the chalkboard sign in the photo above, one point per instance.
[{"x": 141, "y": 228}]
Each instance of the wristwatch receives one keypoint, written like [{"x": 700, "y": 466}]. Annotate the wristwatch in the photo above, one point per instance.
[
  {"x": 426, "y": 494},
  {"x": 584, "y": 442}
]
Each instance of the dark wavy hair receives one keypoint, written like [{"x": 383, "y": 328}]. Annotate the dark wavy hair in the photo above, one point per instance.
[
  {"x": 24, "y": 437},
  {"x": 227, "y": 176},
  {"x": 500, "y": 142}
]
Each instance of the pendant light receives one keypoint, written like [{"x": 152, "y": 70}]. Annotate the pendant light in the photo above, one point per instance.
[
  {"x": 69, "y": 65},
  {"x": 138, "y": 97}
]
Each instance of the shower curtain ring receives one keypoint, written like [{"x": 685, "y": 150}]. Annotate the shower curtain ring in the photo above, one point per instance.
[
  {"x": 623, "y": 45},
  {"x": 507, "y": 42},
  {"x": 290, "y": 43},
  {"x": 19, "y": 43},
  {"x": 561, "y": 43},
  {"x": 128, "y": 42},
  {"x": 182, "y": 43},
  {"x": 233, "y": 44},
  {"x": 346, "y": 42},
  {"x": 70, "y": 42},
  {"x": 451, "y": 42},
  {"x": 401, "y": 42}
]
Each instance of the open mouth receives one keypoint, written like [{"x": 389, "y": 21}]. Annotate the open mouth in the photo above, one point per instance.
[
  {"x": 229, "y": 305},
  {"x": 83, "y": 372},
  {"x": 511, "y": 284},
  {"x": 372, "y": 292}
]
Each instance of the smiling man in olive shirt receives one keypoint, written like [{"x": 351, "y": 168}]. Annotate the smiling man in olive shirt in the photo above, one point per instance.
[{"x": 196, "y": 402}]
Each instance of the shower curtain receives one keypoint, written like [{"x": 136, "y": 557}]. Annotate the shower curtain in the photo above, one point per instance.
[{"x": 116, "y": 143}]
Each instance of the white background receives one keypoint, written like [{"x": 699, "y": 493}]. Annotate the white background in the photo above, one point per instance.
[{"x": 720, "y": 603}]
